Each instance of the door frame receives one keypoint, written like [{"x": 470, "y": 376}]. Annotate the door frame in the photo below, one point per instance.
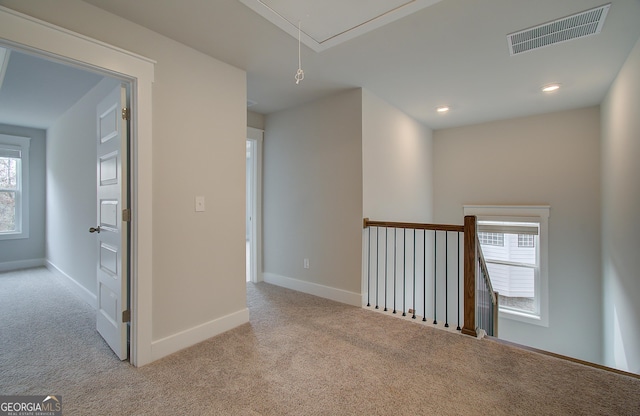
[
  {"x": 256, "y": 135},
  {"x": 23, "y": 32}
]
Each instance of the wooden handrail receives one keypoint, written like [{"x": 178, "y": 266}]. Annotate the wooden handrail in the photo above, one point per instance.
[
  {"x": 413, "y": 225},
  {"x": 470, "y": 264}
]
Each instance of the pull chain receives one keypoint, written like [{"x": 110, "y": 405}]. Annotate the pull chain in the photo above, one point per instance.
[{"x": 300, "y": 74}]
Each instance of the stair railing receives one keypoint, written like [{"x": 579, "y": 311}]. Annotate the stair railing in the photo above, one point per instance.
[
  {"x": 479, "y": 295},
  {"x": 416, "y": 268}
]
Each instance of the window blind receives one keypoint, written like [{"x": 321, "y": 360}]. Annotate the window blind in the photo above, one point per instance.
[
  {"x": 506, "y": 228},
  {"x": 13, "y": 152}
]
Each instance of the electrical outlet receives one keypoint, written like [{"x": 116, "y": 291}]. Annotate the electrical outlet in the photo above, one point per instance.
[{"x": 306, "y": 263}]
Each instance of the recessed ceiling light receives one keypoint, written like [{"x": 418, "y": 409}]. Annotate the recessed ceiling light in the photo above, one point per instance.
[
  {"x": 442, "y": 109},
  {"x": 551, "y": 88}
]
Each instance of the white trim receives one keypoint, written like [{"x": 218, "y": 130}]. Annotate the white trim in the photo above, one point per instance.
[
  {"x": 509, "y": 211},
  {"x": 46, "y": 26},
  {"x": 8, "y": 266},
  {"x": 184, "y": 339},
  {"x": 332, "y": 293},
  {"x": 319, "y": 45},
  {"x": 540, "y": 214},
  {"x": 72, "y": 284},
  {"x": 24, "y": 32},
  {"x": 256, "y": 232},
  {"x": 4, "y": 63},
  {"x": 23, "y": 144}
]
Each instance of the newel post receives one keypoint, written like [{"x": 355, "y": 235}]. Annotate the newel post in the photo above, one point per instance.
[{"x": 470, "y": 265}]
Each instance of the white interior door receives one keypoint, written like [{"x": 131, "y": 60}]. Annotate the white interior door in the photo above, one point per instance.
[{"x": 112, "y": 231}]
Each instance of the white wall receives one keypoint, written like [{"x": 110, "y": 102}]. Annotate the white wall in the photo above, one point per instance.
[
  {"x": 199, "y": 133},
  {"x": 620, "y": 223},
  {"x": 199, "y": 257},
  {"x": 396, "y": 164},
  {"x": 255, "y": 120},
  {"x": 312, "y": 176},
  {"x": 29, "y": 252},
  {"x": 322, "y": 159},
  {"x": 554, "y": 160},
  {"x": 71, "y": 189}
]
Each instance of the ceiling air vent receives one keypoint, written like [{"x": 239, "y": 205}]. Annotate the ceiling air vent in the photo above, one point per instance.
[{"x": 579, "y": 25}]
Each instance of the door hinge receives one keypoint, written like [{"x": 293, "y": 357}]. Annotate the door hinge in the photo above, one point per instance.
[
  {"x": 126, "y": 113},
  {"x": 126, "y": 215},
  {"x": 126, "y": 316}
]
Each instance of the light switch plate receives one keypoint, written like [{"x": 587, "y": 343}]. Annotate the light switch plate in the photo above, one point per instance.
[{"x": 199, "y": 203}]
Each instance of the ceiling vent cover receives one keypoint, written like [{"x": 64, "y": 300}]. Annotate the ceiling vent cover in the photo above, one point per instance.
[{"x": 579, "y": 25}]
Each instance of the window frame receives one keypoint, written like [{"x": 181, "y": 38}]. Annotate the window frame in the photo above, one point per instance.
[
  {"x": 22, "y": 200},
  {"x": 518, "y": 213}
]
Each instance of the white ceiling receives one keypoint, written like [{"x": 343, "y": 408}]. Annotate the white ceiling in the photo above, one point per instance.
[{"x": 452, "y": 52}]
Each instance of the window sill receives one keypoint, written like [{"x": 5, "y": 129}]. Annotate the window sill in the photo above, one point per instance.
[
  {"x": 525, "y": 317},
  {"x": 13, "y": 236}
]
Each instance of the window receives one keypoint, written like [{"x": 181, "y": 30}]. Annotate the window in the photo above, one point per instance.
[
  {"x": 491, "y": 239},
  {"x": 526, "y": 240},
  {"x": 14, "y": 185},
  {"x": 518, "y": 266}
]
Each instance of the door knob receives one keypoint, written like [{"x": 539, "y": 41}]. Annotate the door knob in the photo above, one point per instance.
[{"x": 95, "y": 229}]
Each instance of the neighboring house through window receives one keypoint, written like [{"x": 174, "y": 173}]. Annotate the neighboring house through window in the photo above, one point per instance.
[
  {"x": 514, "y": 244},
  {"x": 491, "y": 239},
  {"x": 14, "y": 187},
  {"x": 526, "y": 240}
]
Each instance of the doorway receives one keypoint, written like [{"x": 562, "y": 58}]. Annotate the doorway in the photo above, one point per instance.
[
  {"x": 67, "y": 47},
  {"x": 60, "y": 101},
  {"x": 250, "y": 203},
  {"x": 253, "y": 205}
]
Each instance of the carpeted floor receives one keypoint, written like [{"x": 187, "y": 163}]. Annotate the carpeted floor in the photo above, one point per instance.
[{"x": 299, "y": 355}]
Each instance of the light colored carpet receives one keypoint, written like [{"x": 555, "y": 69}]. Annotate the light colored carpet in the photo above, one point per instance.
[{"x": 299, "y": 355}]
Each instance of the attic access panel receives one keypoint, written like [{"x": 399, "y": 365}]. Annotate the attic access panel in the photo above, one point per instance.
[{"x": 330, "y": 22}]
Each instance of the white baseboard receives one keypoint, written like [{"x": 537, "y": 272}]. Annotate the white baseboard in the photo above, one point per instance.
[
  {"x": 181, "y": 340},
  {"x": 327, "y": 292},
  {"x": 73, "y": 285},
  {"x": 8, "y": 266}
]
